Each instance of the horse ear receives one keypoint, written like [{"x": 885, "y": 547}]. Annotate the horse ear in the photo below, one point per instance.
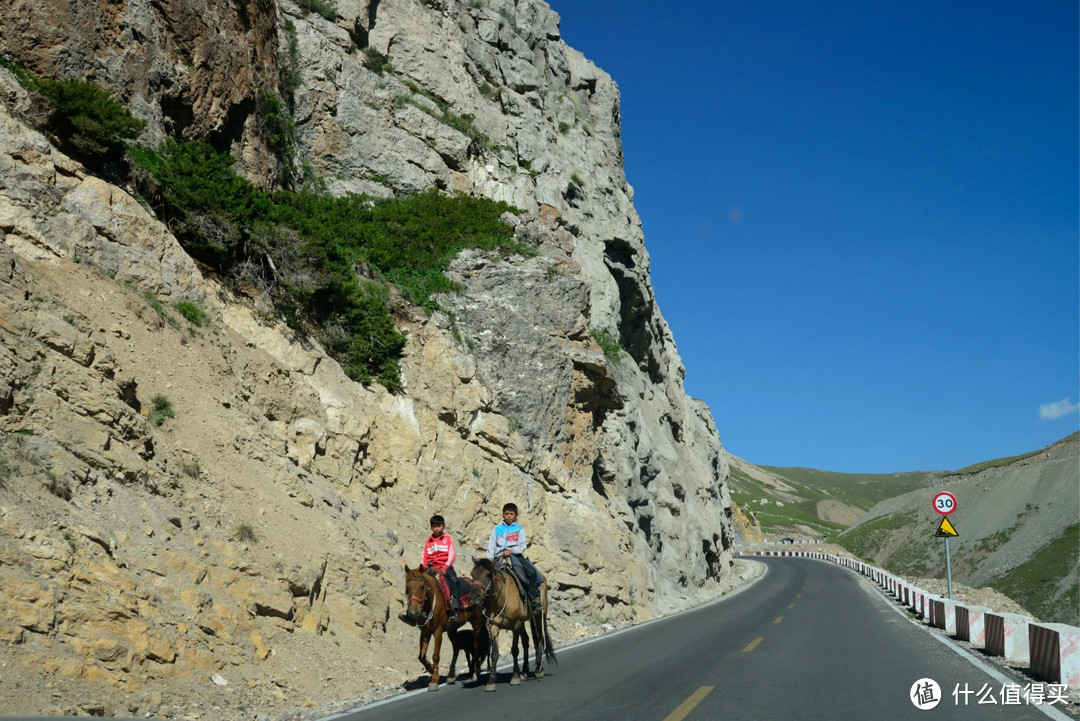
[{"x": 407, "y": 569}]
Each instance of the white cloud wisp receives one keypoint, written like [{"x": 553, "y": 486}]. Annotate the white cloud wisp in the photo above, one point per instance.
[{"x": 1053, "y": 411}]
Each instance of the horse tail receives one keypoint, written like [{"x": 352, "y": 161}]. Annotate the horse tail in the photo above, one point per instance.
[{"x": 549, "y": 647}]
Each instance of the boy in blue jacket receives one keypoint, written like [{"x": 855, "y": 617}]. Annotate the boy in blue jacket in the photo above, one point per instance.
[{"x": 508, "y": 540}]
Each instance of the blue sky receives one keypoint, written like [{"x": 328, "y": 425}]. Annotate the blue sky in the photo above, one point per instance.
[{"x": 862, "y": 218}]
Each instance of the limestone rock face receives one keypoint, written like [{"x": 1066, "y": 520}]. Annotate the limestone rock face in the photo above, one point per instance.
[
  {"x": 192, "y": 69},
  {"x": 542, "y": 133},
  {"x": 268, "y": 518}
]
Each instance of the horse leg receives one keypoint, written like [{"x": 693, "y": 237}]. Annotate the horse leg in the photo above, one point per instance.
[
  {"x": 475, "y": 665},
  {"x": 425, "y": 637},
  {"x": 433, "y": 685},
  {"x": 469, "y": 661},
  {"x": 525, "y": 644},
  {"x": 450, "y": 675},
  {"x": 516, "y": 678},
  {"x": 493, "y": 658}
]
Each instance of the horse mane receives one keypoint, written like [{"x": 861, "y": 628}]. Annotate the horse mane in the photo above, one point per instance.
[{"x": 486, "y": 564}]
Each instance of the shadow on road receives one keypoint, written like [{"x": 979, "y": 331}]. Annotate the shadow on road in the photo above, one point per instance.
[{"x": 501, "y": 678}]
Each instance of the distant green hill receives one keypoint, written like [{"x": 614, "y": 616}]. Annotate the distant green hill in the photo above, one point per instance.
[
  {"x": 1017, "y": 517},
  {"x": 866, "y": 488},
  {"x": 812, "y": 503}
]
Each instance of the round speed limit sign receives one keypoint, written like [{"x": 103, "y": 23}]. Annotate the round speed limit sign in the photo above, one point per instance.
[{"x": 944, "y": 503}]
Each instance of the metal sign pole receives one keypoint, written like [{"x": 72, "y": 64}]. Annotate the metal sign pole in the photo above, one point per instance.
[
  {"x": 948, "y": 567},
  {"x": 945, "y": 503}
]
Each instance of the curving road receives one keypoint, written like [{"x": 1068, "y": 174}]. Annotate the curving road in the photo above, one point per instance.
[{"x": 807, "y": 642}]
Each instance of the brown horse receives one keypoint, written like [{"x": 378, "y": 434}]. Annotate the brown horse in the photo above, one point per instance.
[
  {"x": 426, "y": 610},
  {"x": 496, "y": 590}
]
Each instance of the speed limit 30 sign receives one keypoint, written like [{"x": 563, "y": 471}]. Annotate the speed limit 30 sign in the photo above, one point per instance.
[{"x": 944, "y": 503}]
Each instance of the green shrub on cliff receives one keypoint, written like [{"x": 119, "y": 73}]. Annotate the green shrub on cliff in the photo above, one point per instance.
[
  {"x": 206, "y": 203},
  {"x": 160, "y": 409},
  {"x": 608, "y": 343},
  {"x": 411, "y": 239},
  {"x": 321, "y": 7},
  {"x": 87, "y": 120},
  {"x": 306, "y": 248}
]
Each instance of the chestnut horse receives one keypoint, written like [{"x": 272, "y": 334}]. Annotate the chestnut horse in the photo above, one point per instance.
[
  {"x": 496, "y": 592},
  {"x": 426, "y": 610}
]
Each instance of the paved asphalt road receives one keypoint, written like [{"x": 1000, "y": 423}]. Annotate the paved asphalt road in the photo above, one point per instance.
[{"x": 807, "y": 642}]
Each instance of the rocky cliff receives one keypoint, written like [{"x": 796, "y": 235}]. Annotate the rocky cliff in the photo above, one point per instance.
[{"x": 188, "y": 507}]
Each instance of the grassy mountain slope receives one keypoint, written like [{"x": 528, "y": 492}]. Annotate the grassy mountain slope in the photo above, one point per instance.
[
  {"x": 812, "y": 503},
  {"x": 1017, "y": 520}
]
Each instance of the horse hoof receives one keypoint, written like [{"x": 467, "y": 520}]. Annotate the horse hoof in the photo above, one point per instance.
[
  {"x": 434, "y": 686},
  {"x": 515, "y": 681},
  {"x": 539, "y": 674},
  {"x": 489, "y": 687}
]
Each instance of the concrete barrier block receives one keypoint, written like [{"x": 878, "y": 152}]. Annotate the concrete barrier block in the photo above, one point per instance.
[
  {"x": 950, "y": 616},
  {"x": 936, "y": 611},
  {"x": 918, "y": 596},
  {"x": 1055, "y": 652},
  {"x": 971, "y": 624},
  {"x": 943, "y": 614},
  {"x": 1007, "y": 635}
]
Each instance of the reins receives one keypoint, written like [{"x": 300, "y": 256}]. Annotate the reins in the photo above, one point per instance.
[
  {"x": 421, "y": 600},
  {"x": 488, "y": 589}
]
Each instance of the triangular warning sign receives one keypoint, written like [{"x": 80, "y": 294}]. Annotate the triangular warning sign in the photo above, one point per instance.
[{"x": 946, "y": 529}]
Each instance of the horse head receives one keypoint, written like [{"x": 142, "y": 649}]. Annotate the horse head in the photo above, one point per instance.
[
  {"x": 483, "y": 576},
  {"x": 418, "y": 606}
]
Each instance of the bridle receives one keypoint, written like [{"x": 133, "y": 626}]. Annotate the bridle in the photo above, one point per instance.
[
  {"x": 422, "y": 600},
  {"x": 487, "y": 589}
]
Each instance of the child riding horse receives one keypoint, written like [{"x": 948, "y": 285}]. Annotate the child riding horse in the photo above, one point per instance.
[
  {"x": 497, "y": 593},
  {"x": 426, "y": 610}
]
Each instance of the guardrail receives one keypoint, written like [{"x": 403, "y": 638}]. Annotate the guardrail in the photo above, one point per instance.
[{"x": 1051, "y": 651}]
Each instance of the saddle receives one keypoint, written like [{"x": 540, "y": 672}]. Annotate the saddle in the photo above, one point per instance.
[
  {"x": 520, "y": 576},
  {"x": 462, "y": 592}
]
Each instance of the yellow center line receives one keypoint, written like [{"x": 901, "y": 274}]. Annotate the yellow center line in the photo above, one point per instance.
[
  {"x": 798, "y": 595},
  {"x": 791, "y": 605},
  {"x": 753, "y": 644},
  {"x": 778, "y": 620},
  {"x": 688, "y": 705}
]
